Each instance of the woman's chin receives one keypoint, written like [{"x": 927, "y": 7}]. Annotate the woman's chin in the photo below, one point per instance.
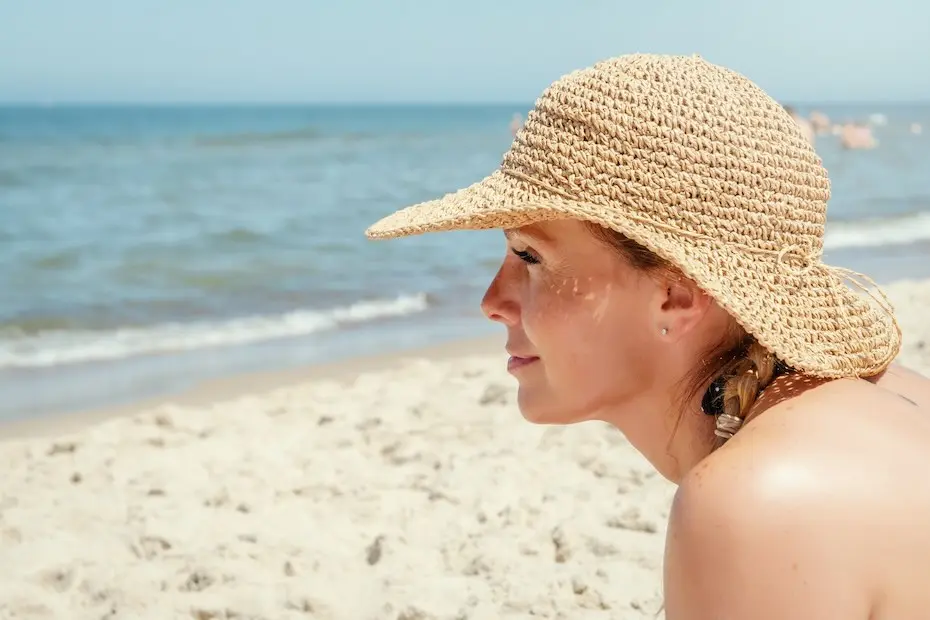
[{"x": 541, "y": 410}]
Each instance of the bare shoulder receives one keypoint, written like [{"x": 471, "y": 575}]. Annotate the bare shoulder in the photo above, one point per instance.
[
  {"x": 907, "y": 384},
  {"x": 781, "y": 521},
  {"x": 753, "y": 534}
]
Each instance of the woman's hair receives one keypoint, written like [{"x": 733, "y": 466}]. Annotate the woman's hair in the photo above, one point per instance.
[{"x": 747, "y": 365}]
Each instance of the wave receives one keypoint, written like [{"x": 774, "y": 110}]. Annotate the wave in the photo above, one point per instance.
[
  {"x": 874, "y": 232},
  {"x": 50, "y": 348}
]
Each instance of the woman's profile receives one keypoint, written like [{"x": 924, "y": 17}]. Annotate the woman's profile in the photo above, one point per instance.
[{"x": 664, "y": 221}]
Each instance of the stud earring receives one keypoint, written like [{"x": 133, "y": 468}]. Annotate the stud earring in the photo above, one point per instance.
[{"x": 664, "y": 331}]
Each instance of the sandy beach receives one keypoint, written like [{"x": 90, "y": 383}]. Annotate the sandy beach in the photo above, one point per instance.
[{"x": 411, "y": 489}]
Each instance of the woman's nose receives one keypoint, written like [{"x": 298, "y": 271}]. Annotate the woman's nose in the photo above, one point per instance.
[{"x": 499, "y": 302}]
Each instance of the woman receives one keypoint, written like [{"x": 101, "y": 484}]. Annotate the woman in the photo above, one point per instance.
[{"x": 664, "y": 220}]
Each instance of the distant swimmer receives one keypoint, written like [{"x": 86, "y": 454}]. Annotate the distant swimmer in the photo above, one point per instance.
[
  {"x": 857, "y": 136},
  {"x": 820, "y": 122},
  {"x": 516, "y": 123},
  {"x": 806, "y": 127}
]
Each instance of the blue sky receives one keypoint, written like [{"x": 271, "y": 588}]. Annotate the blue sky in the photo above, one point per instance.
[{"x": 438, "y": 50}]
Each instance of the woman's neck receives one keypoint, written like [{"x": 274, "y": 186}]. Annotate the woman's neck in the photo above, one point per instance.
[
  {"x": 673, "y": 442},
  {"x": 676, "y": 442}
]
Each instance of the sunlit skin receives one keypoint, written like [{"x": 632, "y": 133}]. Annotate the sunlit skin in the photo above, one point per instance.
[
  {"x": 593, "y": 327},
  {"x": 819, "y": 507}
]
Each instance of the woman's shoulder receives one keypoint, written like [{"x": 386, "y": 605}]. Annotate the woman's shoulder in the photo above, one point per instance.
[
  {"x": 753, "y": 533},
  {"x": 769, "y": 476},
  {"x": 823, "y": 444},
  {"x": 790, "y": 506},
  {"x": 757, "y": 537},
  {"x": 907, "y": 384}
]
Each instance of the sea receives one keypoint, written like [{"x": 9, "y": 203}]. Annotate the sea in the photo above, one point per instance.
[{"x": 145, "y": 249}]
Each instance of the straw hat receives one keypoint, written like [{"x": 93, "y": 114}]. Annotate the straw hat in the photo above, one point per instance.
[{"x": 698, "y": 164}]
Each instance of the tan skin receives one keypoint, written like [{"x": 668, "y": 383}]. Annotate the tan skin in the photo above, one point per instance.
[{"x": 819, "y": 507}]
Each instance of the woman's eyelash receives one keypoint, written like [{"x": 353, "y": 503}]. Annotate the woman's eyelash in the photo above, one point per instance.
[{"x": 526, "y": 257}]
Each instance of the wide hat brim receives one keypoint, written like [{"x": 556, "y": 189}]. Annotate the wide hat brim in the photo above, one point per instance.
[{"x": 796, "y": 306}]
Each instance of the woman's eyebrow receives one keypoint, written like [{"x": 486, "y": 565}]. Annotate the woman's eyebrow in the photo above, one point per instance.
[{"x": 528, "y": 233}]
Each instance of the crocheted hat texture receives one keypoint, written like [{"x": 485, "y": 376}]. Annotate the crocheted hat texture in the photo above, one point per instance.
[{"x": 701, "y": 166}]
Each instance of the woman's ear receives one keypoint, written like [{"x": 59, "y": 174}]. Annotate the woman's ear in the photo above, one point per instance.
[{"x": 682, "y": 305}]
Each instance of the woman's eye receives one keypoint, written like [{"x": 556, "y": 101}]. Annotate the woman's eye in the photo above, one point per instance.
[{"x": 526, "y": 257}]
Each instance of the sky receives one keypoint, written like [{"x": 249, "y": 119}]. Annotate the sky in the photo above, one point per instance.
[{"x": 377, "y": 51}]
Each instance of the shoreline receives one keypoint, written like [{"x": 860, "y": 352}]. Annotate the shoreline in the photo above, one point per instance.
[
  {"x": 37, "y": 392},
  {"x": 237, "y": 385}
]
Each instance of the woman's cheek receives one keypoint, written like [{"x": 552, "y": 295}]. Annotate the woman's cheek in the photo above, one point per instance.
[{"x": 561, "y": 293}]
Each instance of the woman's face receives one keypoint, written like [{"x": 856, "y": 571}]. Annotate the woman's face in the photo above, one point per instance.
[{"x": 583, "y": 326}]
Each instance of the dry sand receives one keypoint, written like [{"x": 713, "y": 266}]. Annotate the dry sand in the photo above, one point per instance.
[{"x": 413, "y": 492}]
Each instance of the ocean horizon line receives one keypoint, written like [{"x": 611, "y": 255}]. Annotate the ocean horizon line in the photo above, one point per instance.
[{"x": 101, "y": 104}]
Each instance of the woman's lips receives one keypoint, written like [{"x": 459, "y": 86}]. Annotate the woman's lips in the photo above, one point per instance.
[{"x": 516, "y": 362}]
